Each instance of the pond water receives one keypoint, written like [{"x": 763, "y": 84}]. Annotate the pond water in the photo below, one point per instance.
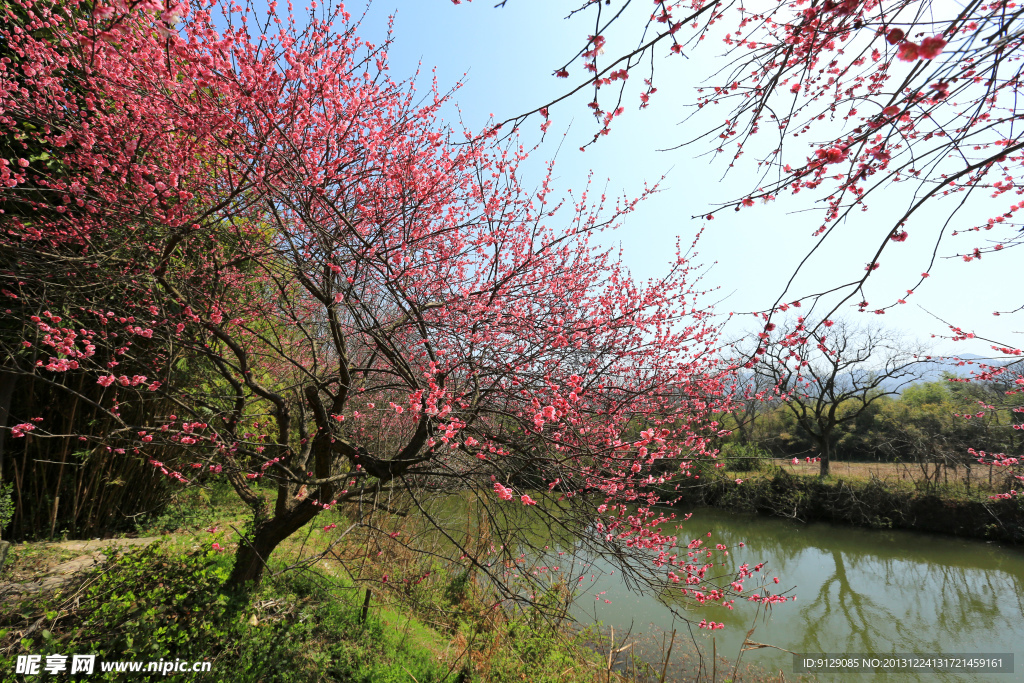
[{"x": 857, "y": 590}]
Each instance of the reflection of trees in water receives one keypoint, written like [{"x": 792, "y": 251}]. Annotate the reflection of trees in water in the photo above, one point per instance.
[
  {"x": 858, "y": 591},
  {"x": 876, "y": 591},
  {"x": 955, "y": 599},
  {"x": 940, "y": 598},
  {"x": 873, "y": 604},
  {"x": 838, "y": 603}
]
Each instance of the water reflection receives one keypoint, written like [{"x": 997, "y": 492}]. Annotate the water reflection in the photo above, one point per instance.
[{"x": 857, "y": 591}]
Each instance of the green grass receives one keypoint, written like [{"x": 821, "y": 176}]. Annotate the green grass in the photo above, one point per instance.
[
  {"x": 165, "y": 602},
  {"x": 157, "y": 602},
  {"x": 193, "y": 509}
]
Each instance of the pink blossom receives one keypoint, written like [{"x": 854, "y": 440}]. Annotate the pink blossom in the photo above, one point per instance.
[
  {"x": 909, "y": 52},
  {"x": 931, "y": 47},
  {"x": 19, "y": 430}
]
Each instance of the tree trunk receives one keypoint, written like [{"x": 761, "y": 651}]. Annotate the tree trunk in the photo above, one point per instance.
[
  {"x": 825, "y": 453},
  {"x": 250, "y": 561},
  {"x": 253, "y": 553}
]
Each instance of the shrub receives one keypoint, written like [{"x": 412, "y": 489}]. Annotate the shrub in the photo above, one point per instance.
[{"x": 740, "y": 457}]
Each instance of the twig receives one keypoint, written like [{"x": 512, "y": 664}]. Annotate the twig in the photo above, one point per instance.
[
  {"x": 664, "y": 669},
  {"x": 714, "y": 660},
  {"x": 611, "y": 651},
  {"x": 758, "y": 646},
  {"x": 32, "y": 629}
]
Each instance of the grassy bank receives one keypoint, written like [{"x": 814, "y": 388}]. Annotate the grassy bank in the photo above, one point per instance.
[
  {"x": 158, "y": 598},
  {"x": 313, "y": 618},
  {"x": 869, "y": 501},
  {"x": 163, "y": 602}
]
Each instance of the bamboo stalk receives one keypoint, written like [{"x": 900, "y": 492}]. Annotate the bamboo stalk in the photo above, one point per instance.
[
  {"x": 53, "y": 517},
  {"x": 69, "y": 427}
]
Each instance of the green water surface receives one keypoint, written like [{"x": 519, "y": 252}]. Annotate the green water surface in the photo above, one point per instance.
[{"x": 857, "y": 591}]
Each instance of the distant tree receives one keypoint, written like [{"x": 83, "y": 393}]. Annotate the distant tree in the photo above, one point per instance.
[
  {"x": 990, "y": 409},
  {"x": 831, "y": 373},
  {"x": 921, "y": 428},
  {"x": 952, "y": 423},
  {"x": 860, "y": 439},
  {"x": 752, "y": 396}
]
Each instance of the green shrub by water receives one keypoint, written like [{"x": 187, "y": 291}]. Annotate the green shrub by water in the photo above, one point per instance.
[
  {"x": 873, "y": 503},
  {"x": 740, "y": 457}
]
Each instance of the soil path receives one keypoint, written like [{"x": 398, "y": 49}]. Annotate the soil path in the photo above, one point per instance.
[{"x": 91, "y": 554}]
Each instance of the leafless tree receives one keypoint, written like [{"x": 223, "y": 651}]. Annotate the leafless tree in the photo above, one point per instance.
[{"x": 830, "y": 373}]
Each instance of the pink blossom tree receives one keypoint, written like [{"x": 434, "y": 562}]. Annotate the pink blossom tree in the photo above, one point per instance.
[{"x": 374, "y": 310}]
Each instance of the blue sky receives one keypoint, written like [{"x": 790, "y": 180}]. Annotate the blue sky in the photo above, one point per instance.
[{"x": 505, "y": 58}]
